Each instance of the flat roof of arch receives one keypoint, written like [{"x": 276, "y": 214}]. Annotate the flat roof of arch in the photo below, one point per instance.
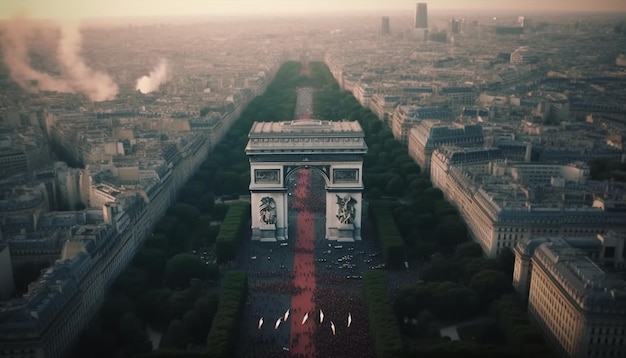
[{"x": 304, "y": 126}]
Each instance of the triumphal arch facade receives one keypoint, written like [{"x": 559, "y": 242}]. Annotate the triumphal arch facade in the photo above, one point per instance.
[{"x": 334, "y": 148}]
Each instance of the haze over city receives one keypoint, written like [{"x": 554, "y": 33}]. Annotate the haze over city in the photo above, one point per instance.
[
  {"x": 312, "y": 178},
  {"x": 166, "y": 8}
]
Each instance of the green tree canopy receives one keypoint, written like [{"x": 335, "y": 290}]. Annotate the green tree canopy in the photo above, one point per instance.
[
  {"x": 490, "y": 285},
  {"x": 181, "y": 268},
  {"x": 175, "y": 336},
  {"x": 469, "y": 249}
]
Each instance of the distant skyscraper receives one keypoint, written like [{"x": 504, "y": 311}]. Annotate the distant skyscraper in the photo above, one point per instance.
[
  {"x": 421, "y": 16},
  {"x": 454, "y": 26},
  {"x": 384, "y": 29}
]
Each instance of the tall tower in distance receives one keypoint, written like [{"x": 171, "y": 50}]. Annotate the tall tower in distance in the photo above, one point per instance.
[
  {"x": 421, "y": 16},
  {"x": 384, "y": 26}
]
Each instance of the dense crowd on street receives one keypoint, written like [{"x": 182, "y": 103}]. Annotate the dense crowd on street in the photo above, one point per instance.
[
  {"x": 353, "y": 341},
  {"x": 275, "y": 277}
]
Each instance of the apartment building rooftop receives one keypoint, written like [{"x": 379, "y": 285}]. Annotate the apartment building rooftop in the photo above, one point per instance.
[{"x": 593, "y": 289}]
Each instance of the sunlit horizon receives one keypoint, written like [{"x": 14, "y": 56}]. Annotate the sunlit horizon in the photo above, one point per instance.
[{"x": 86, "y": 9}]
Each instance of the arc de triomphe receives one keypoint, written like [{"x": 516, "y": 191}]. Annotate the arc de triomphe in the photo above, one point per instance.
[{"x": 277, "y": 149}]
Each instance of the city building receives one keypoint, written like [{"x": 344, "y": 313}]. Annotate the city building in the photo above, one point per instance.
[
  {"x": 454, "y": 26},
  {"x": 49, "y": 318},
  {"x": 384, "y": 26},
  {"x": 363, "y": 93},
  {"x": 421, "y": 16},
  {"x": 503, "y": 203},
  {"x": 405, "y": 118},
  {"x": 523, "y": 55},
  {"x": 383, "y": 106},
  {"x": 459, "y": 96},
  {"x": 430, "y": 135},
  {"x": 579, "y": 307},
  {"x": 22, "y": 151}
]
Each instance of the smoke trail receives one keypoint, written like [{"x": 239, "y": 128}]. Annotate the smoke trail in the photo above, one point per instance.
[
  {"x": 78, "y": 77},
  {"x": 151, "y": 83},
  {"x": 96, "y": 85},
  {"x": 15, "y": 34}
]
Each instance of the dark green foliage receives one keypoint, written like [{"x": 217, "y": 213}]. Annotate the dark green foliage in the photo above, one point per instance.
[
  {"x": 158, "y": 242},
  {"x": 219, "y": 211},
  {"x": 490, "y": 285},
  {"x": 473, "y": 266},
  {"x": 113, "y": 308},
  {"x": 505, "y": 262},
  {"x": 133, "y": 281},
  {"x": 153, "y": 261},
  {"x": 443, "y": 269},
  {"x": 444, "y": 299},
  {"x": 186, "y": 213},
  {"x": 228, "y": 240},
  {"x": 132, "y": 335},
  {"x": 519, "y": 333},
  {"x": 205, "y": 309},
  {"x": 226, "y": 171},
  {"x": 383, "y": 325},
  {"x": 181, "y": 268},
  {"x": 187, "y": 226},
  {"x": 175, "y": 336},
  {"x": 387, "y": 233},
  {"x": 223, "y": 334},
  {"x": 450, "y": 231},
  {"x": 424, "y": 220},
  {"x": 469, "y": 249}
]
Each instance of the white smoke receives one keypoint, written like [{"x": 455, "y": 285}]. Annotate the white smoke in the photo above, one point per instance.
[
  {"x": 15, "y": 53},
  {"x": 96, "y": 85},
  {"x": 151, "y": 83},
  {"x": 77, "y": 76}
]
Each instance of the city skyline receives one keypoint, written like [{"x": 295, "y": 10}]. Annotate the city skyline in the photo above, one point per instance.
[{"x": 160, "y": 8}]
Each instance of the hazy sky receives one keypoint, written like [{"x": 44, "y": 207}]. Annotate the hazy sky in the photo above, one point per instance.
[{"x": 106, "y": 8}]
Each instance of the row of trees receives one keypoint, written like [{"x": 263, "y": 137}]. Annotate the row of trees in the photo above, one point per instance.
[
  {"x": 519, "y": 333},
  {"x": 162, "y": 286},
  {"x": 223, "y": 334},
  {"x": 454, "y": 288},
  {"x": 389, "y": 238},
  {"x": 228, "y": 240},
  {"x": 425, "y": 220},
  {"x": 383, "y": 326},
  {"x": 227, "y": 170}
]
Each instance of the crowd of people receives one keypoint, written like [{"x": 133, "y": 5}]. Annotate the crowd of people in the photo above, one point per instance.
[
  {"x": 280, "y": 274},
  {"x": 352, "y": 341},
  {"x": 309, "y": 203}
]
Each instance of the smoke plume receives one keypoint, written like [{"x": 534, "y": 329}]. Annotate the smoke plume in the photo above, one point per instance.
[
  {"x": 77, "y": 77},
  {"x": 151, "y": 83}
]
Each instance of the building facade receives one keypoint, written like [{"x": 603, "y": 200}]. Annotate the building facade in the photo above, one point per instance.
[
  {"x": 421, "y": 16},
  {"x": 47, "y": 321},
  {"x": 503, "y": 203},
  {"x": 430, "y": 135},
  {"x": 384, "y": 26},
  {"x": 579, "y": 307}
]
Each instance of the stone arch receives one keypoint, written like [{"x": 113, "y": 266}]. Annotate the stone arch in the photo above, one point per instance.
[
  {"x": 292, "y": 170},
  {"x": 277, "y": 150}
]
